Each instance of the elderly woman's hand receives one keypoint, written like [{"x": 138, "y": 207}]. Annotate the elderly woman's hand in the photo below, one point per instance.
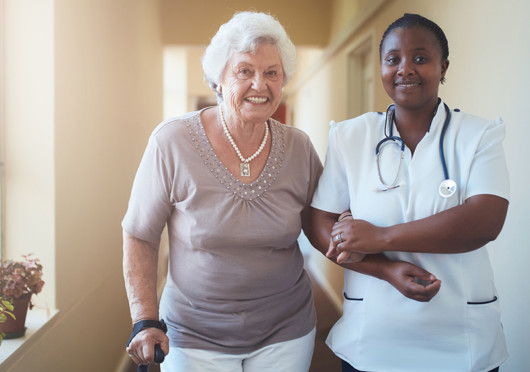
[
  {"x": 344, "y": 256},
  {"x": 340, "y": 247},
  {"x": 142, "y": 346}
]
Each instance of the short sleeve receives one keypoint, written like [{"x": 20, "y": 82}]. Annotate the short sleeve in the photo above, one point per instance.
[
  {"x": 332, "y": 193},
  {"x": 316, "y": 171},
  {"x": 489, "y": 173},
  {"x": 150, "y": 202}
]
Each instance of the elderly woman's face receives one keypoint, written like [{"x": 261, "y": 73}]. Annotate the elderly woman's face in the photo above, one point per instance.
[{"x": 252, "y": 84}]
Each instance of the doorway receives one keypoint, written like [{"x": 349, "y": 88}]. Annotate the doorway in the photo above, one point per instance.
[{"x": 361, "y": 78}]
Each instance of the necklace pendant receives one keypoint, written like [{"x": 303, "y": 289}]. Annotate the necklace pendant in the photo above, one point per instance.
[{"x": 245, "y": 169}]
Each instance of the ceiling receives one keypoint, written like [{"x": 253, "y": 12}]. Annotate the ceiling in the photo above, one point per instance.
[{"x": 194, "y": 22}]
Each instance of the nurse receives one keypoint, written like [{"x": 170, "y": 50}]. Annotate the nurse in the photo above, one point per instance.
[{"x": 419, "y": 295}]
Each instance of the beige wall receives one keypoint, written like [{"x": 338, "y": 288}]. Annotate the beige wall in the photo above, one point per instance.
[
  {"x": 86, "y": 92},
  {"x": 488, "y": 77},
  {"x": 195, "y": 22}
]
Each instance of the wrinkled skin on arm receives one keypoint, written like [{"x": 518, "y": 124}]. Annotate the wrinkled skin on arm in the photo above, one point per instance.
[{"x": 140, "y": 262}]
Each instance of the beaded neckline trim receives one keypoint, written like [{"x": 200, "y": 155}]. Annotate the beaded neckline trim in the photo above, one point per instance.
[{"x": 245, "y": 191}]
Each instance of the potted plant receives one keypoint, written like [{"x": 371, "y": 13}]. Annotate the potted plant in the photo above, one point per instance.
[{"x": 19, "y": 280}]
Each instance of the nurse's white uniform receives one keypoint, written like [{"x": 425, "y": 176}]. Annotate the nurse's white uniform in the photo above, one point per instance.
[{"x": 381, "y": 330}]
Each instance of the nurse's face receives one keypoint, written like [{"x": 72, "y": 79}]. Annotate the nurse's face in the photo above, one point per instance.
[{"x": 412, "y": 67}]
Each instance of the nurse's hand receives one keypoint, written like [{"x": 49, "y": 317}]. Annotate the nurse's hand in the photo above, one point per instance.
[
  {"x": 345, "y": 256},
  {"x": 352, "y": 235},
  {"x": 412, "y": 281}
]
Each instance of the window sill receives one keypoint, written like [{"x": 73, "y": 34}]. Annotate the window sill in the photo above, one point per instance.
[{"x": 37, "y": 321}]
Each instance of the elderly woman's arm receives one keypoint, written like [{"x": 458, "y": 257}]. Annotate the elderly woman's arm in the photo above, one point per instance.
[
  {"x": 402, "y": 275},
  {"x": 140, "y": 263}
]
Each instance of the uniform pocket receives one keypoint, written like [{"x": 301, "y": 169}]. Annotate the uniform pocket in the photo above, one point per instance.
[
  {"x": 346, "y": 297},
  {"x": 486, "y": 338},
  {"x": 482, "y": 302}
]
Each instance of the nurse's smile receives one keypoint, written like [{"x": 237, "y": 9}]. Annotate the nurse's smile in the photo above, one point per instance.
[{"x": 408, "y": 84}]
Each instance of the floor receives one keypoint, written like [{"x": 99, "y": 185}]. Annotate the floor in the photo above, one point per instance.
[{"x": 323, "y": 359}]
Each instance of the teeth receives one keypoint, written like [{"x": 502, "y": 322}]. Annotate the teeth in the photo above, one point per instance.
[
  {"x": 257, "y": 99},
  {"x": 408, "y": 85}
]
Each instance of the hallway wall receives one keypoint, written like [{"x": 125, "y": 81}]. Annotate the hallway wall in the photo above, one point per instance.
[
  {"x": 488, "y": 77},
  {"x": 102, "y": 98}
]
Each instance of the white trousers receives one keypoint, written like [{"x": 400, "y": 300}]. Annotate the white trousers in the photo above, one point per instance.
[{"x": 288, "y": 356}]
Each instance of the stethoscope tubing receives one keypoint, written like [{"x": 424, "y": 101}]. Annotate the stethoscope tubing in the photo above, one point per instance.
[
  {"x": 441, "y": 145},
  {"x": 448, "y": 186}
]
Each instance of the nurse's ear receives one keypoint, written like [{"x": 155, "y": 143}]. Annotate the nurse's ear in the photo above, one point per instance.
[{"x": 445, "y": 66}]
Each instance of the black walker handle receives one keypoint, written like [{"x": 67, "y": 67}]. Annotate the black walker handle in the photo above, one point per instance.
[{"x": 159, "y": 358}]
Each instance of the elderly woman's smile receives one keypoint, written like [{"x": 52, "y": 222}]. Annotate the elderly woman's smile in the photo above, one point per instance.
[{"x": 257, "y": 99}]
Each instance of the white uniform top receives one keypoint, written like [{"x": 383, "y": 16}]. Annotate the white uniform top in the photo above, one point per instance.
[{"x": 382, "y": 330}]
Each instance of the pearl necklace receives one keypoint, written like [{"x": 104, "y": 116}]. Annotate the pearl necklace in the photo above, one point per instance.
[{"x": 244, "y": 166}]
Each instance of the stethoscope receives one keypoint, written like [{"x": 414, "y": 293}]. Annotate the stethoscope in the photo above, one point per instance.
[{"x": 447, "y": 186}]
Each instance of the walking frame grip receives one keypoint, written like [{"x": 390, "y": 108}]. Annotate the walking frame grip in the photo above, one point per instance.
[{"x": 141, "y": 325}]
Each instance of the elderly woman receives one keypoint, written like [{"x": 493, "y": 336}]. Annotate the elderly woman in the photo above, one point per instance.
[{"x": 234, "y": 188}]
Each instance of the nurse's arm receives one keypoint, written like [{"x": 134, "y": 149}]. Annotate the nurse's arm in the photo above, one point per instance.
[
  {"x": 402, "y": 275},
  {"x": 460, "y": 229}
]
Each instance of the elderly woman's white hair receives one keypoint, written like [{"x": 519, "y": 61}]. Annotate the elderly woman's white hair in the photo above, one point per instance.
[{"x": 242, "y": 34}]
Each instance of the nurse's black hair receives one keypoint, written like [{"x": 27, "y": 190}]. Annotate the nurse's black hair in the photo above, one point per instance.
[{"x": 409, "y": 20}]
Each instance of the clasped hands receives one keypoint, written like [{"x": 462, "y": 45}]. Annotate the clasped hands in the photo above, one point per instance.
[{"x": 352, "y": 240}]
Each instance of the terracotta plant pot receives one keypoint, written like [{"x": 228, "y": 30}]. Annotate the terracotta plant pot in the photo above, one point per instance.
[{"x": 14, "y": 328}]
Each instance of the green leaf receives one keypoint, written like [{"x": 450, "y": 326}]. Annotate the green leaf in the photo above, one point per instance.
[{"x": 8, "y": 305}]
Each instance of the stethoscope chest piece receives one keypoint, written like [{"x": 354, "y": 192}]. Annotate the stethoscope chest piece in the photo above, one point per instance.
[{"x": 447, "y": 188}]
